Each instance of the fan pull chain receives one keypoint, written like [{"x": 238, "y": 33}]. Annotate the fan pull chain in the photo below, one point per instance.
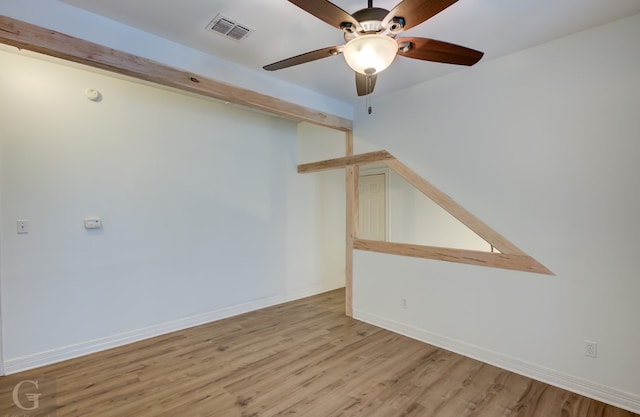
[{"x": 368, "y": 95}]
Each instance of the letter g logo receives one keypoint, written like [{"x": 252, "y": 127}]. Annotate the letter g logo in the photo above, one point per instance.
[{"x": 32, "y": 397}]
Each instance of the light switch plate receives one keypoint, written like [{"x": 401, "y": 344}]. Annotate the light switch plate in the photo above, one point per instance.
[{"x": 23, "y": 227}]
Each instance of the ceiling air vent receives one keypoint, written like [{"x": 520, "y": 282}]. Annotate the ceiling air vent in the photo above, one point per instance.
[{"x": 228, "y": 28}]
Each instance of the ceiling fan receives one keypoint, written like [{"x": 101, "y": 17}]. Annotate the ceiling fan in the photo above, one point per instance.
[{"x": 371, "y": 43}]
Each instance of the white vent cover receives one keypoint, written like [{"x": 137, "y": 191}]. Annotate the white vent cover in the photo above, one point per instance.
[{"x": 228, "y": 28}]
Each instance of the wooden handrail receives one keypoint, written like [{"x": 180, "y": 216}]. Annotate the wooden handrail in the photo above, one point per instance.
[{"x": 463, "y": 256}]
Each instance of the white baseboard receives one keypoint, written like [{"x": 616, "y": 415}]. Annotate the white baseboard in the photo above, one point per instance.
[
  {"x": 12, "y": 366},
  {"x": 621, "y": 399}
]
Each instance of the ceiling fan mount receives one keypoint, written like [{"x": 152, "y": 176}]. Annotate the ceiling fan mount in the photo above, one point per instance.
[
  {"x": 371, "y": 43},
  {"x": 370, "y": 21}
]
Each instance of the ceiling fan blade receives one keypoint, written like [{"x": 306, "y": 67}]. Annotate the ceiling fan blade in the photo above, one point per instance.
[
  {"x": 415, "y": 12},
  {"x": 303, "y": 58},
  {"x": 438, "y": 51},
  {"x": 327, "y": 12},
  {"x": 364, "y": 86}
]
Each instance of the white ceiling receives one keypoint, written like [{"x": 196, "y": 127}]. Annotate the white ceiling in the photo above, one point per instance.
[{"x": 282, "y": 30}]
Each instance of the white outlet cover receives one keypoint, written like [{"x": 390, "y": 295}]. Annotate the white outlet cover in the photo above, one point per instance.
[{"x": 590, "y": 349}]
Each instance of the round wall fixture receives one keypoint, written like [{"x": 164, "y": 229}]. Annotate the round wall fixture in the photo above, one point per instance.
[{"x": 92, "y": 94}]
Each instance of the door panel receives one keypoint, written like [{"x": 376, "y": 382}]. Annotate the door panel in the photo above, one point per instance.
[{"x": 373, "y": 207}]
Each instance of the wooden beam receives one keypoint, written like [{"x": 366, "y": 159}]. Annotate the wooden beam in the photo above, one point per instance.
[
  {"x": 496, "y": 260},
  {"x": 365, "y": 158},
  {"x": 49, "y": 42},
  {"x": 510, "y": 256},
  {"x": 348, "y": 145},
  {"x": 352, "y": 174},
  {"x": 453, "y": 208}
]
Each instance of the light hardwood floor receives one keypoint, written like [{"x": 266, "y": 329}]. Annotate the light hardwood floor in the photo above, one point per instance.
[{"x": 304, "y": 358}]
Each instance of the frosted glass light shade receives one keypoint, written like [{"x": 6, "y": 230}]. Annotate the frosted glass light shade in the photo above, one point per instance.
[{"x": 370, "y": 52}]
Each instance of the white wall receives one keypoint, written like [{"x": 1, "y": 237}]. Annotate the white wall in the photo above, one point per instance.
[
  {"x": 2, "y": 371},
  {"x": 204, "y": 213},
  {"x": 324, "y": 194},
  {"x": 543, "y": 146}
]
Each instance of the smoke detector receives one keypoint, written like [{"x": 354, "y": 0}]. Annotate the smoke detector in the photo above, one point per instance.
[{"x": 229, "y": 28}]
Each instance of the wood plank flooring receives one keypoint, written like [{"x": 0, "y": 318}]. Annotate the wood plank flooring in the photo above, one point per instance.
[{"x": 304, "y": 358}]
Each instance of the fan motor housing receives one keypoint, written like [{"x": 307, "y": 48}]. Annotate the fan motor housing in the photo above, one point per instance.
[
  {"x": 371, "y": 22},
  {"x": 371, "y": 18}
]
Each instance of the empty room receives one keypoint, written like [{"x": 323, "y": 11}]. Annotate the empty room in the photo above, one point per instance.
[{"x": 302, "y": 207}]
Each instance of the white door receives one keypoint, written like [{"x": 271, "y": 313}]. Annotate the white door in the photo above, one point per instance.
[{"x": 373, "y": 207}]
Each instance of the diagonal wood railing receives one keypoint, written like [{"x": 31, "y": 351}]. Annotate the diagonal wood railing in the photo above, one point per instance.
[{"x": 509, "y": 257}]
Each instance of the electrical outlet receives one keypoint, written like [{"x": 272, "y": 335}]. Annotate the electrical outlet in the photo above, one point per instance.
[
  {"x": 590, "y": 349},
  {"x": 403, "y": 303}
]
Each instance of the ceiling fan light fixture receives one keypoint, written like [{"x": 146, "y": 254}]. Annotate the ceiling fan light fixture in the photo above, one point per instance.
[{"x": 370, "y": 54}]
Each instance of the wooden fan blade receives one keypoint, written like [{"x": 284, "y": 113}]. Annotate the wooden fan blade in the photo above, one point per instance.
[
  {"x": 438, "y": 51},
  {"x": 327, "y": 12},
  {"x": 364, "y": 86},
  {"x": 415, "y": 12},
  {"x": 303, "y": 58}
]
